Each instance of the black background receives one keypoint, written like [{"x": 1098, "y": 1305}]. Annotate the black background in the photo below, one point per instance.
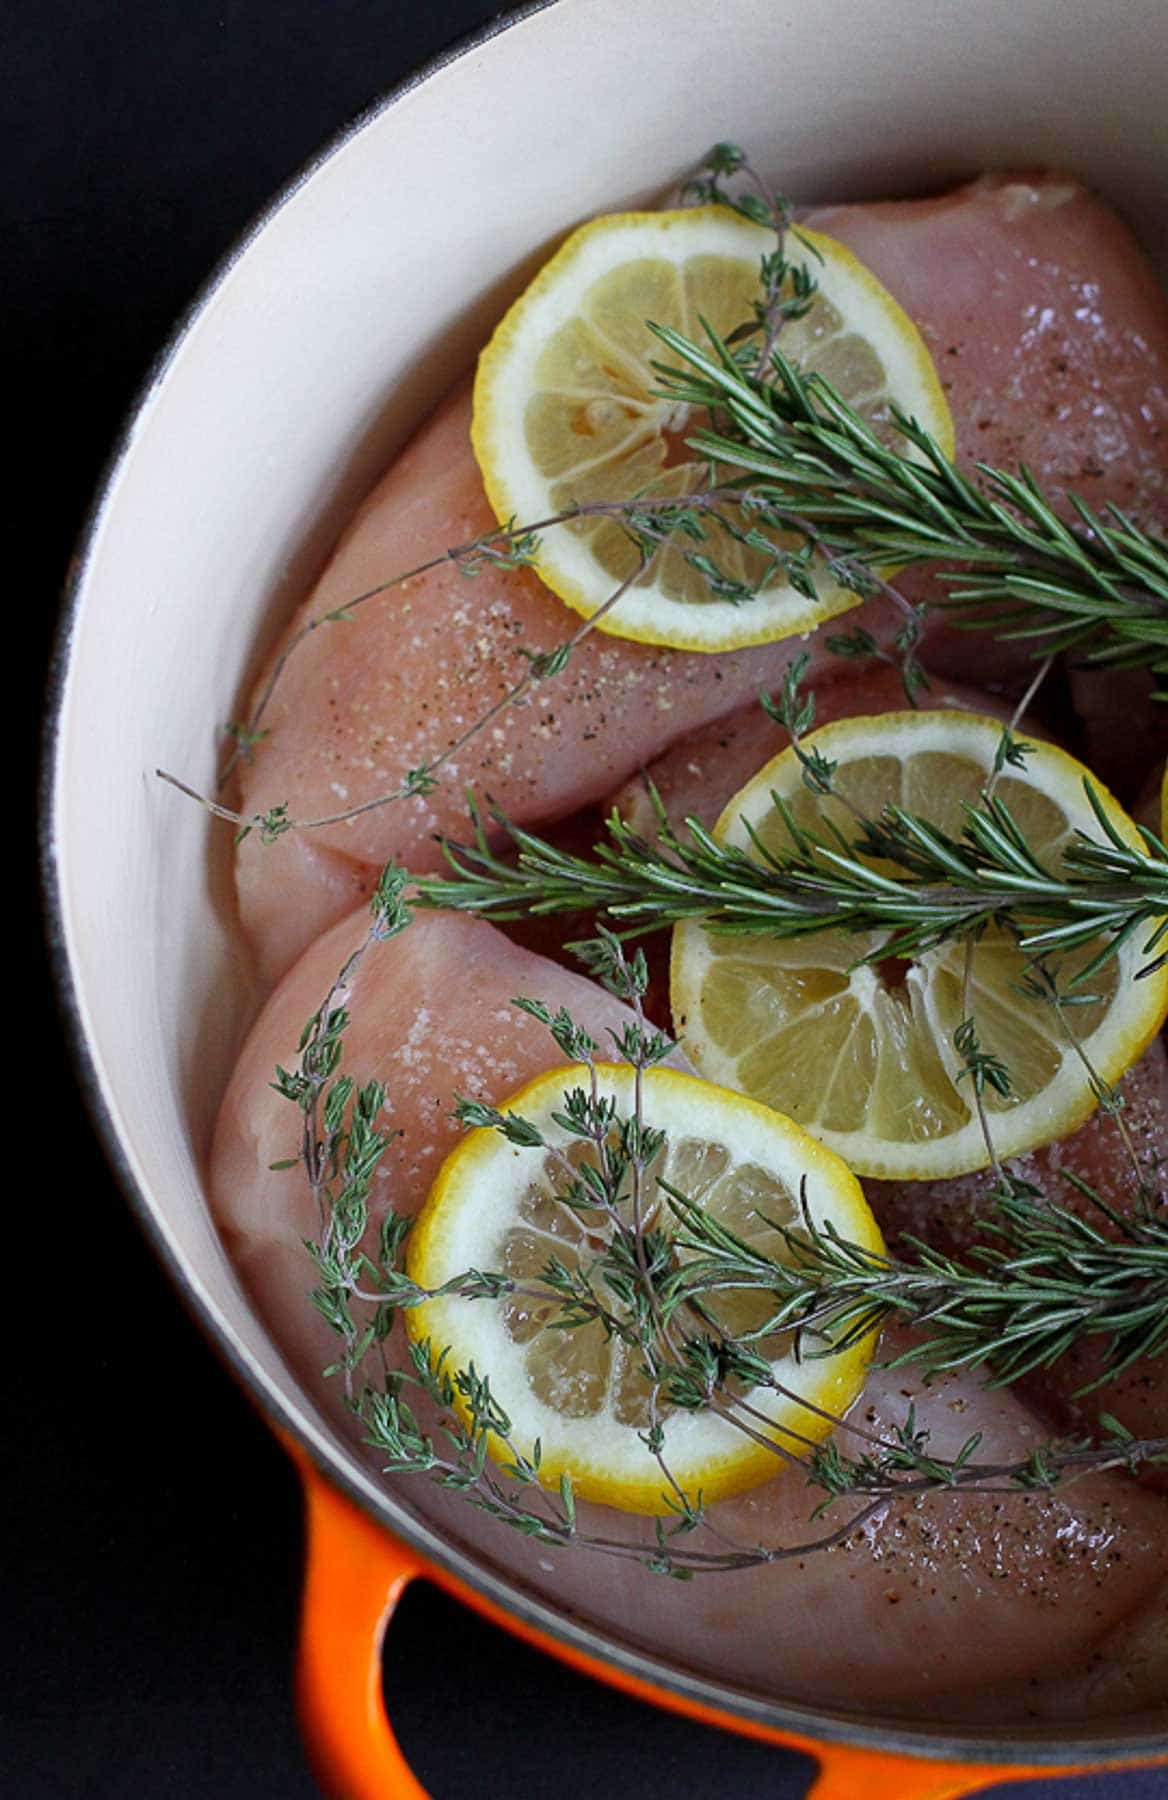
[{"x": 153, "y": 1549}]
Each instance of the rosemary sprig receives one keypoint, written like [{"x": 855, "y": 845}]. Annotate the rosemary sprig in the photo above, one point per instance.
[
  {"x": 1102, "y": 892},
  {"x": 875, "y": 497},
  {"x": 1042, "y": 1279}
]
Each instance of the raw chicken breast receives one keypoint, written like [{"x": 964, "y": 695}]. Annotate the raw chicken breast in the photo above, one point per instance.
[
  {"x": 364, "y": 701},
  {"x": 1053, "y": 341},
  {"x": 432, "y": 1019},
  {"x": 919, "y": 1609},
  {"x": 1048, "y": 328},
  {"x": 703, "y": 771},
  {"x": 1050, "y": 335},
  {"x": 934, "y": 1603}
]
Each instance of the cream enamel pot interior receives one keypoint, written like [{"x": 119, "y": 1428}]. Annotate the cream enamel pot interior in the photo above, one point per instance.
[{"x": 306, "y": 363}]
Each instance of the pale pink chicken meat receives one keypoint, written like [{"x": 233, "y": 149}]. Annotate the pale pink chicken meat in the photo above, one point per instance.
[
  {"x": 1047, "y": 326},
  {"x": 1049, "y": 332},
  {"x": 920, "y": 1610},
  {"x": 698, "y": 776},
  {"x": 939, "y": 1607},
  {"x": 433, "y": 1020},
  {"x": 1052, "y": 339},
  {"x": 364, "y": 701}
]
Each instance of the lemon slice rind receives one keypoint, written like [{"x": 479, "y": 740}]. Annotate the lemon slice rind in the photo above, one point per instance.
[
  {"x": 507, "y": 379},
  {"x": 475, "y": 1203}
]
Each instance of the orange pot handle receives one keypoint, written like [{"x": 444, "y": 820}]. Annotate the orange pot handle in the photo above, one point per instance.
[
  {"x": 356, "y": 1573},
  {"x": 847, "y": 1774}
]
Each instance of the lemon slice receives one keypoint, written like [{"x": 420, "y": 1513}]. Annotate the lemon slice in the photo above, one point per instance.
[
  {"x": 583, "y": 1395},
  {"x": 864, "y": 1056},
  {"x": 564, "y": 411}
]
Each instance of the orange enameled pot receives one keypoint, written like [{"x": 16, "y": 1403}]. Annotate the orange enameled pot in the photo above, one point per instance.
[
  {"x": 314, "y": 351},
  {"x": 355, "y": 1576}
]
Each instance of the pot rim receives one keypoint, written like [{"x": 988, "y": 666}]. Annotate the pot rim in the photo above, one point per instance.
[{"x": 925, "y": 1741}]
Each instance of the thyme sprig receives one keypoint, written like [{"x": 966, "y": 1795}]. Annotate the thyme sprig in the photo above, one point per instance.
[
  {"x": 787, "y": 286},
  {"x": 1043, "y": 1278},
  {"x": 511, "y": 546},
  {"x": 341, "y": 1143}
]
